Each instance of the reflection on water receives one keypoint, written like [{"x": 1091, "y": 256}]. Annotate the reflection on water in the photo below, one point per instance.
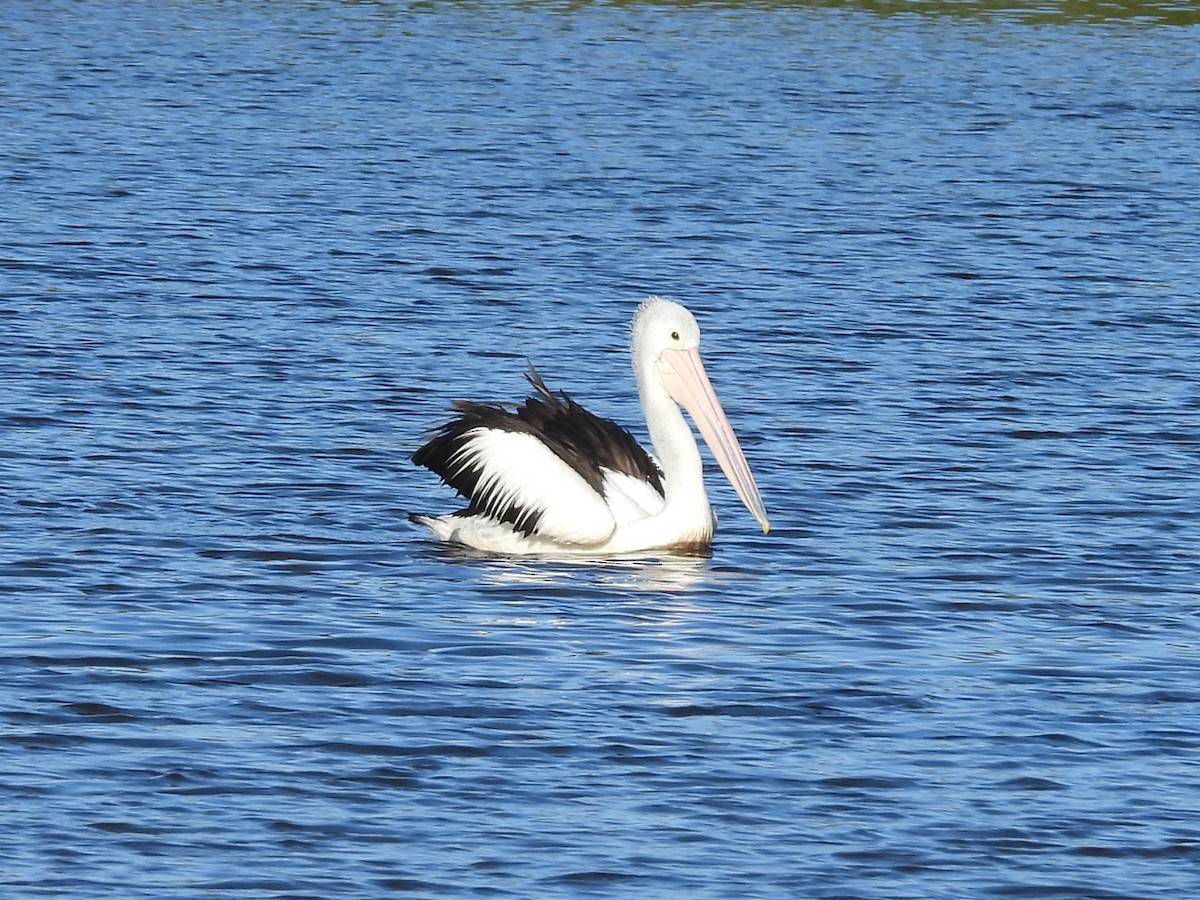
[
  {"x": 1033, "y": 12},
  {"x": 638, "y": 572},
  {"x": 669, "y": 574}
]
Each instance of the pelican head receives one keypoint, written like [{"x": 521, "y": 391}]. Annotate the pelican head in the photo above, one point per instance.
[{"x": 666, "y": 358}]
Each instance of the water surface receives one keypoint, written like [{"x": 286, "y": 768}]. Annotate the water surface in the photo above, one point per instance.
[{"x": 944, "y": 258}]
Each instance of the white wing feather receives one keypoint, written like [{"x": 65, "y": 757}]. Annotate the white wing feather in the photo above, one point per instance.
[
  {"x": 517, "y": 469},
  {"x": 630, "y": 498}
]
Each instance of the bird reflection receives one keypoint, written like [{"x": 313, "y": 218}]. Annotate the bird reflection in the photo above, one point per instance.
[{"x": 670, "y": 574}]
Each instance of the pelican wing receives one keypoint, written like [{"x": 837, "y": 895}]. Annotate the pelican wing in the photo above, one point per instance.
[
  {"x": 546, "y": 468},
  {"x": 506, "y": 472}
]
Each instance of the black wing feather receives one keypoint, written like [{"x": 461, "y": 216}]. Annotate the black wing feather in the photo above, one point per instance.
[
  {"x": 593, "y": 441},
  {"x": 439, "y": 456}
]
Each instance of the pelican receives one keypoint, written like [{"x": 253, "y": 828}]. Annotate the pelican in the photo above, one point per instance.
[{"x": 551, "y": 478}]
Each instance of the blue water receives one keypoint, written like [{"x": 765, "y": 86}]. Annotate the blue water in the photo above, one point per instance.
[{"x": 945, "y": 262}]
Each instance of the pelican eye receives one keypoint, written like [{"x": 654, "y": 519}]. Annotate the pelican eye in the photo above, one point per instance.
[{"x": 674, "y": 335}]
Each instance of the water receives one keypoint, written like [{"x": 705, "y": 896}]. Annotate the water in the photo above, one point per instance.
[{"x": 945, "y": 264}]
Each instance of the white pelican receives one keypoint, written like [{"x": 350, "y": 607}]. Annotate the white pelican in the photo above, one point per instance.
[{"x": 551, "y": 478}]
